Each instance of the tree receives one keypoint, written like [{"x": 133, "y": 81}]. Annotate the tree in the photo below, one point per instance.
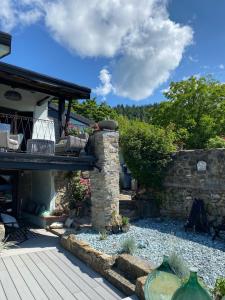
[
  {"x": 197, "y": 105},
  {"x": 93, "y": 111},
  {"x": 146, "y": 150}
]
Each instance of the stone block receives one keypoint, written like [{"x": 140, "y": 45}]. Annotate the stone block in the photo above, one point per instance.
[
  {"x": 99, "y": 261},
  {"x": 133, "y": 267},
  {"x": 120, "y": 282},
  {"x": 139, "y": 288}
]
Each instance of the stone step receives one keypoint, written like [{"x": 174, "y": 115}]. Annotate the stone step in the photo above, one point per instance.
[
  {"x": 132, "y": 267},
  {"x": 119, "y": 281}
]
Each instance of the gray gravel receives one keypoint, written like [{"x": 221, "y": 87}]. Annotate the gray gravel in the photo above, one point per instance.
[{"x": 155, "y": 238}]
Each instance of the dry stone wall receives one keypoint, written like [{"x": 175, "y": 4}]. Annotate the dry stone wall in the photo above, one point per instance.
[{"x": 195, "y": 173}]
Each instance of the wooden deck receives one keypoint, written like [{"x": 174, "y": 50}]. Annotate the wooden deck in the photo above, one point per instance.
[
  {"x": 51, "y": 274},
  {"x": 40, "y": 269}
]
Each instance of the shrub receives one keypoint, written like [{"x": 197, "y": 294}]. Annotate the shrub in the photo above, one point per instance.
[
  {"x": 215, "y": 142},
  {"x": 219, "y": 289},
  {"x": 147, "y": 151},
  {"x": 125, "y": 220},
  {"x": 103, "y": 235},
  {"x": 179, "y": 266},
  {"x": 129, "y": 246}
]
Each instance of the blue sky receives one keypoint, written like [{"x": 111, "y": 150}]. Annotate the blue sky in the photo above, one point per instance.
[{"x": 137, "y": 59}]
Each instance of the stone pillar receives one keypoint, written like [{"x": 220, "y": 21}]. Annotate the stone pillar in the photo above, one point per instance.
[{"x": 105, "y": 184}]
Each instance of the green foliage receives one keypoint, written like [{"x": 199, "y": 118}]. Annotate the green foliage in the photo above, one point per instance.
[
  {"x": 77, "y": 190},
  {"x": 103, "y": 235},
  {"x": 93, "y": 111},
  {"x": 195, "y": 108},
  {"x": 215, "y": 142},
  {"x": 219, "y": 289},
  {"x": 129, "y": 246},
  {"x": 125, "y": 220},
  {"x": 146, "y": 150}
]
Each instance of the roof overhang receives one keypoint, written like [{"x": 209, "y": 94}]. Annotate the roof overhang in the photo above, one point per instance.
[
  {"x": 18, "y": 77},
  {"x": 5, "y": 44}
]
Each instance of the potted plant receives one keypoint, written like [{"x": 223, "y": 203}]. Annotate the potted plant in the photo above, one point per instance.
[{"x": 125, "y": 224}]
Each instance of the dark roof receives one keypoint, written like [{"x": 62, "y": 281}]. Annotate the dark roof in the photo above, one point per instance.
[
  {"x": 74, "y": 116},
  {"x": 29, "y": 80}
]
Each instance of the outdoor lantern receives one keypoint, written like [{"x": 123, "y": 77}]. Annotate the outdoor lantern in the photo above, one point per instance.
[{"x": 5, "y": 44}]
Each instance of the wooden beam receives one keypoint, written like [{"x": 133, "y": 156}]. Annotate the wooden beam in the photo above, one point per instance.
[{"x": 61, "y": 117}]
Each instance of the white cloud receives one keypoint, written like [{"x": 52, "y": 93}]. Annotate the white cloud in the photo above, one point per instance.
[
  {"x": 106, "y": 86},
  {"x": 142, "y": 44},
  {"x": 221, "y": 66}
]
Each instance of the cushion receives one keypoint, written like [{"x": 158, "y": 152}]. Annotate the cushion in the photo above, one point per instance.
[
  {"x": 9, "y": 219},
  {"x": 56, "y": 225}
]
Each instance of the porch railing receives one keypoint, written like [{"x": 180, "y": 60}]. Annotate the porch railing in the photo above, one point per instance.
[{"x": 17, "y": 132}]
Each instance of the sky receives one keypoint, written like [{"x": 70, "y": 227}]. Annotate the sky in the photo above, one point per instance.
[{"x": 126, "y": 51}]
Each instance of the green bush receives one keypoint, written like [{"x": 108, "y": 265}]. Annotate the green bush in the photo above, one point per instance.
[
  {"x": 125, "y": 220},
  {"x": 147, "y": 150},
  {"x": 219, "y": 289},
  {"x": 103, "y": 235},
  {"x": 215, "y": 142},
  {"x": 129, "y": 246}
]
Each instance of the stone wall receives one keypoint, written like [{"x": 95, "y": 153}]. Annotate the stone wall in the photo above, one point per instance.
[
  {"x": 195, "y": 173},
  {"x": 105, "y": 184}
]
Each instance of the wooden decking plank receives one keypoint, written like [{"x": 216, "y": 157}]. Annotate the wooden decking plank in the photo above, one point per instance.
[
  {"x": 40, "y": 278},
  {"x": 51, "y": 277},
  {"x": 87, "y": 273},
  {"x": 78, "y": 266},
  {"x": 105, "y": 293},
  {"x": 72, "y": 287},
  {"x": 109, "y": 287},
  {"x": 76, "y": 275},
  {"x": 7, "y": 283},
  {"x": 2, "y": 293},
  {"x": 18, "y": 280},
  {"x": 81, "y": 296},
  {"x": 29, "y": 278}
]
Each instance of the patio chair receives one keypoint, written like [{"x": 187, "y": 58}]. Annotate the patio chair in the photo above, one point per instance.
[
  {"x": 10, "y": 141},
  {"x": 13, "y": 228}
]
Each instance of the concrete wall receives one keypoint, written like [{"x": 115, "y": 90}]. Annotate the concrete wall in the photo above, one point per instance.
[
  {"x": 38, "y": 187},
  {"x": 195, "y": 173}
]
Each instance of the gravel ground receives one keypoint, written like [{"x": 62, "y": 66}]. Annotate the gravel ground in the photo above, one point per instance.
[{"x": 155, "y": 238}]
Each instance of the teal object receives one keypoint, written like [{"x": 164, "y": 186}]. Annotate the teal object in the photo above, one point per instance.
[
  {"x": 161, "y": 283},
  {"x": 192, "y": 290}
]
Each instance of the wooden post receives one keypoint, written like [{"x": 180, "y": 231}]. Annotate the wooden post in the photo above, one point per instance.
[
  {"x": 61, "y": 116},
  {"x": 68, "y": 116}
]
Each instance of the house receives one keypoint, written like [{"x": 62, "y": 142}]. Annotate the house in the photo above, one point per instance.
[{"x": 30, "y": 128}]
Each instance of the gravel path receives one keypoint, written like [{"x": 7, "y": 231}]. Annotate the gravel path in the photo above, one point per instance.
[{"x": 155, "y": 238}]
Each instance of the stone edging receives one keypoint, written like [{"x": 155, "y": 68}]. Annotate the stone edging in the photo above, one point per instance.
[{"x": 126, "y": 272}]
